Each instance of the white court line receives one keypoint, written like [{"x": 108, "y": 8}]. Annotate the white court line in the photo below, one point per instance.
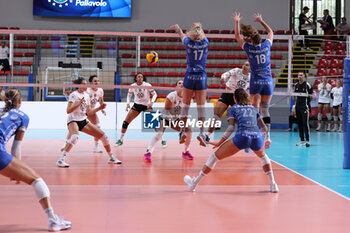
[
  {"x": 153, "y": 186},
  {"x": 120, "y": 167},
  {"x": 323, "y": 186}
]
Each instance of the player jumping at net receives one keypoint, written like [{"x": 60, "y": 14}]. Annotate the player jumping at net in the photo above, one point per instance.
[
  {"x": 195, "y": 80},
  {"x": 78, "y": 109},
  {"x": 247, "y": 136},
  {"x": 234, "y": 78},
  {"x": 141, "y": 102},
  {"x": 15, "y": 122},
  {"x": 170, "y": 117},
  {"x": 261, "y": 83}
]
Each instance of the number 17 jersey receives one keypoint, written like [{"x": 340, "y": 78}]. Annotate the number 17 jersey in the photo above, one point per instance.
[{"x": 196, "y": 52}]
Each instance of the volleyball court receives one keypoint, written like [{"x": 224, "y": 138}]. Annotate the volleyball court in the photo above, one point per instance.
[{"x": 139, "y": 196}]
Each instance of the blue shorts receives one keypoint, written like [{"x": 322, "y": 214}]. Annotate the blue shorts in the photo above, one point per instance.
[
  {"x": 243, "y": 141},
  {"x": 261, "y": 86},
  {"x": 195, "y": 80},
  {"x": 5, "y": 159}
]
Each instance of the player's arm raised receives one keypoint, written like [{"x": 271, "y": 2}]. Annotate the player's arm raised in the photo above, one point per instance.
[
  {"x": 236, "y": 16},
  {"x": 178, "y": 31}
]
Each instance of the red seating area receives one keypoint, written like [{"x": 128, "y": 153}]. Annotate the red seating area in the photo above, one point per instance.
[
  {"x": 23, "y": 53},
  {"x": 215, "y": 31},
  {"x": 332, "y": 61},
  {"x": 330, "y": 81}
]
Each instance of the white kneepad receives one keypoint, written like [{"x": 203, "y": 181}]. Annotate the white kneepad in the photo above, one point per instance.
[
  {"x": 211, "y": 161},
  {"x": 105, "y": 140},
  {"x": 73, "y": 139},
  {"x": 265, "y": 160},
  {"x": 40, "y": 188},
  {"x": 319, "y": 116},
  {"x": 264, "y": 109},
  {"x": 329, "y": 116}
]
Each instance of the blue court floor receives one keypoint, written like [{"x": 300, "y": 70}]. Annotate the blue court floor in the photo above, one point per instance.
[{"x": 322, "y": 162}]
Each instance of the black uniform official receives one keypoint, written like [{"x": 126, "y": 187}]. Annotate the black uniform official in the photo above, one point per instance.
[{"x": 302, "y": 109}]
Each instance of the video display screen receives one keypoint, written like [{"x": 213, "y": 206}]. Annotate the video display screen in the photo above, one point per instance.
[{"x": 83, "y": 8}]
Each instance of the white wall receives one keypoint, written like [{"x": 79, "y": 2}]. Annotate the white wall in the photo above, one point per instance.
[
  {"x": 52, "y": 115},
  {"x": 153, "y": 14}
]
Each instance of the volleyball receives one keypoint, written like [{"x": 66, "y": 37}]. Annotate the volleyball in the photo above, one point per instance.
[{"x": 152, "y": 57}]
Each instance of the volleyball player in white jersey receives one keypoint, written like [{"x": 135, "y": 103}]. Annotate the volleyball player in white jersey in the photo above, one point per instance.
[
  {"x": 141, "y": 102},
  {"x": 171, "y": 115},
  {"x": 96, "y": 96},
  {"x": 78, "y": 109},
  {"x": 234, "y": 78},
  {"x": 337, "y": 94},
  {"x": 324, "y": 101}
]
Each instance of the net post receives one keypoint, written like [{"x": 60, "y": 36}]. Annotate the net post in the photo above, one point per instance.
[
  {"x": 138, "y": 54},
  {"x": 347, "y": 46},
  {"x": 290, "y": 57},
  {"x": 346, "y": 113},
  {"x": 11, "y": 55},
  {"x": 30, "y": 89},
  {"x": 117, "y": 90}
]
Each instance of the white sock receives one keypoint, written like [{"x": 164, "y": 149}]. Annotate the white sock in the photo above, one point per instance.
[
  {"x": 268, "y": 131},
  {"x": 154, "y": 140},
  {"x": 49, "y": 212},
  {"x": 199, "y": 177},
  {"x": 111, "y": 155},
  {"x": 63, "y": 155},
  {"x": 96, "y": 143},
  {"x": 209, "y": 134},
  {"x": 121, "y": 136},
  {"x": 188, "y": 141},
  {"x": 270, "y": 176}
]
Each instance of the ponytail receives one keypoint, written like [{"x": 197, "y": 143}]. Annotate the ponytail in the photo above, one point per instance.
[{"x": 11, "y": 98}]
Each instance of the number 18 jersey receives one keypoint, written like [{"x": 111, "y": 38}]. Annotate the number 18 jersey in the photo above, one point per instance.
[{"x": 259, "y": 59}]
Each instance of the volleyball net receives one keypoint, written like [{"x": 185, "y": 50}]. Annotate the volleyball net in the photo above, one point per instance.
[{"x": 43, "y": 64}]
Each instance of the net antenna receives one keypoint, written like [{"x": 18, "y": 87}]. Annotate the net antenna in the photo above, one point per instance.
[{"x": 59, "y": 75}]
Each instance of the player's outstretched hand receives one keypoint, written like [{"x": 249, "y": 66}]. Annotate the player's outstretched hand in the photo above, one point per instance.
[
  {"x": 258, "y": 17},
  {"x": 176, "y": 27},
  {"x": 103, "y": 106},
  {"x": 236, "y": 16}
]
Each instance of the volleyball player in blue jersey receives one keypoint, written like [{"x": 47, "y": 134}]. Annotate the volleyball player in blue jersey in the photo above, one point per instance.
[
  {"x": 261, "y": 83},
  {"x": 247, "y": 136},
  {"x": 15, "y": 122},
  {"x": 195, "y": 80}
]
